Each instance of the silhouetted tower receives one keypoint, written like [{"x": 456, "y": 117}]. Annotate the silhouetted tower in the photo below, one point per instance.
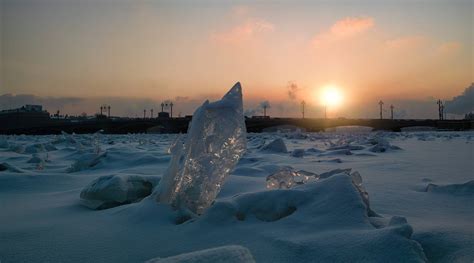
[
  {"x": 151, "y": 113},
  {"x": 171, "y": 106},
  {"x": 108, "y": 111},
  {"x": 303, "y": 103},
  {"x": 162, "y": 106},
  {"x": 265, "y": 106},
  {"x": 101, "y": 110},
  {"x": 440, "y": 109},
  {"x": 381, "y": 109},
  {"x": 391, "y": 111},
  {"x": 144, "y": 114},
  {"x": 442, "y": 112}
]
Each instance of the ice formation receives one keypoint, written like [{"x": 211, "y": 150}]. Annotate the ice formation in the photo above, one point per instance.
[
  {"x": 215, "y": 142},
  {"x": 286, "y": 178},
  {"x": 335, "y": 171},
  {"x": 278, "y": 145},
  {"x": 113, "y": 190},
  {"x": 227, "y": 254}
]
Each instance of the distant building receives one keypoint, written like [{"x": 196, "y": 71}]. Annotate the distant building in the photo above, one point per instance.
[
  {"x": 26, "y": 108},
  {"x": 26, "y": 116},
  {"x": 163, "y": 115}
]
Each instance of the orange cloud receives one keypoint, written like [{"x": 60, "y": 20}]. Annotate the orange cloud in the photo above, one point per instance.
[
  {"x": 352, "y": 26},
  {"x": 449, "y": 48},
  {"x": 410, "y": 42},
  {"x": 244, "y": 32},
  {"x": 343, "y": 29}
]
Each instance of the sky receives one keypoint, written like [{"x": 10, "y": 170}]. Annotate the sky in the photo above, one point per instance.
[{"x": 75, "y": 55}]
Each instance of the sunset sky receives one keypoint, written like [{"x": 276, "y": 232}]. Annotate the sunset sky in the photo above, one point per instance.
[{"x": 141, "y": 52}]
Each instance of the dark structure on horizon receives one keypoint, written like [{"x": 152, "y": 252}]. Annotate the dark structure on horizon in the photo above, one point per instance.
[
  {"x": 381, "y": 109},
  {"x": 32, "y": 119}
]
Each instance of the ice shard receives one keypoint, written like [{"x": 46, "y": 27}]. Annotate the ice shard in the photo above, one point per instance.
[
  {"x": 286, "y": 178},
  {"x": 215, "y": 142}
]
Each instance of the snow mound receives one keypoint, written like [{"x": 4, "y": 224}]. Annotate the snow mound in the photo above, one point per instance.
[
  {"x": 9, "y": 168},
  {"x": 318, "y": 218},
  {"x": 224, "y": 254},
  {"x": 215, "y": 142},
  {"x": 3, "y": 143},
  {"x": 277, "y": 146},
  {"x": 299, "y": 153},
  {"x": 454, "y": 189},
  {"x": 335, "y": 171},
  {"x": 114, "y": 190},
  {"x": 86, "y": 161}
]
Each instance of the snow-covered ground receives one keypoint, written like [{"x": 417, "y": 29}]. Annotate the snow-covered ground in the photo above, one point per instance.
[{"x": 43, "y": 219}]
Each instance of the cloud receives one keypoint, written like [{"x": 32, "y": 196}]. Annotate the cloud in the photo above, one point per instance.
[
  {"x": 463, "y": 103},
  {"x": 250, "y": 29},
  {"x": 344, "y": 29},
  {"x": 407, "y": 42},
  {"x": 449, "y": 48},
  {"x": 240, "y": 10}
]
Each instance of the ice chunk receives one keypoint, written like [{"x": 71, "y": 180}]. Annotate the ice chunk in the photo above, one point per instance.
[
  {"x": 297, "y": 153},
  {"x": 225, "y": 254},
  {"x": 286, "y": 178},
  {"x": 113, "y": 190},
  {"x": 278, "y": 145},
  {"x": 382, "y": 145},
  {"x": 357, "y": 181},
  {"x": 215, "y": 142}
]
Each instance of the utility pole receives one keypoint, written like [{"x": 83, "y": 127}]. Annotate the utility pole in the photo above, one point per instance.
[
  {"x": 440, "y": 109},
  {"x": 108, "y": 109},
  {"x": 381, "y": 109},
  {"x": 442, "y": 112},
  {"x": 303, "y": 103},
  {"x": 171, "y": 106},
  {"x": 144, "y": 114},
  {"x": 162, "y": 106},
  {"x": 391, "y": 111},
  {"x": 101, "y": 108},
  {"x": 151, "y": 113}
]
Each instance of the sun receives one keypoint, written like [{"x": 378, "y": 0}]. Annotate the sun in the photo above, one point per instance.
[{"x": 331, "y": 96}]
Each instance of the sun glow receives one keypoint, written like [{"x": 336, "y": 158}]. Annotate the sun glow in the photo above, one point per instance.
[{"x": 331, "y": 96}]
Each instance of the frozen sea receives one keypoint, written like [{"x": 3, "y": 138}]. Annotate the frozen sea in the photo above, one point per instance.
[{"x": 42, "y": 219}]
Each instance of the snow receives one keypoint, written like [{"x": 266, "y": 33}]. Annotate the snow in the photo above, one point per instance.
[
  {"x": 215, "y": 141},
  {"x": 326, "y": 220},
  {"x": 277, "y": 146},
  {"x": 225, "y": 254}
]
